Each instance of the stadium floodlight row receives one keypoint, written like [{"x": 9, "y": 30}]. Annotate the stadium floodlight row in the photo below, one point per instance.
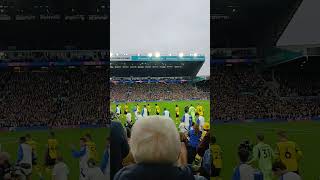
[{"x": 151, "y": 66}]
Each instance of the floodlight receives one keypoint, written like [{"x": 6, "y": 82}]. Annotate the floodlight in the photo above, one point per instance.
[
  {"x": 150, "y": 54},
  {"x": 157, "y": 54},
  {"x": 181, "y": 54}
]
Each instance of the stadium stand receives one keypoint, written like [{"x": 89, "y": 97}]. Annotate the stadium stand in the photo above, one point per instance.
[
  {"x": 52, "y": 96},
  {"x": 243, "y": 91}
]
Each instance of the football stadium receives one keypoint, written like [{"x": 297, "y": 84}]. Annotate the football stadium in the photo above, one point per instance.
[
  {"x": 265, "y": 96},
  {"x": 53, "y": 93},
  {"x": 163, "y": 81},
  {"x": 49, "y": 100},
  {"x": 167, "y": 86}
]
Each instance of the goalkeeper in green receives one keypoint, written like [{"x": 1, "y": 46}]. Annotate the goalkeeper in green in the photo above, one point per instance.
[
  {"x": 264, "y": 154},
  {"x": 192, "y": 112}
]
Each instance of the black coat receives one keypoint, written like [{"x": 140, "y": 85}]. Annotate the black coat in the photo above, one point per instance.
[
  {"x": 154, "y": 172},
  {"x": 119, "y": 148}
]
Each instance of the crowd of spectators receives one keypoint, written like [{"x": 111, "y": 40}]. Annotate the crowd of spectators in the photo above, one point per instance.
[
  {"x": 240, "y": 93},
  {"x": 54, "y": 98},
  {"x": 157, "y": 91}
]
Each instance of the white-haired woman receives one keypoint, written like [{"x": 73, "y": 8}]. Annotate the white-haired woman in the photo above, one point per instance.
[{"x": 155, "y": 146}]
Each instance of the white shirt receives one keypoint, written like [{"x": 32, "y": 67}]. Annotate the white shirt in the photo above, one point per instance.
[
  {"x": 145, "y": 112},
  {"x": 186, "y": 120},
  {"x": 118, "y": 110},
  {"x": 166, "y": 113},
  {"x": 60, "y": 171},
  {"x": 246, "y": 172},
  {"x": 128, "y": 117},
  {"x": 290, "y": 176},
  {"x": 83, "y": 163},
  {"x": 26, "y": 156},
  {"x": 95, "y": 173},
  {"x": 201, "y": 122}
]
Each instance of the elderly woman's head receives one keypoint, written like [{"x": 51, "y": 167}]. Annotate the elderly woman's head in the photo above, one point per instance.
[{"x": 155, "y": 139}]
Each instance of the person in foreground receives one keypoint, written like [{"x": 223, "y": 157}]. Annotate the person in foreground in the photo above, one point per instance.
[{"x": 155, "y": 146}]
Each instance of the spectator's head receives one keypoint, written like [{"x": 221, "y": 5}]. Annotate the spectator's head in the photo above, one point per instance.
[
  {"x": 183, "y": 137},
  {"x": 278, "y": 168},
  {"x": 243, "y": 154},
  {"x": 160, "y": 142}
]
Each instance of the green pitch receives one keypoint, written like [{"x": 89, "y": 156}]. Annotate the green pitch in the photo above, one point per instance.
[
  {"x": 65, "y": 137},
  {"x": 305, "y": 134},
  {"x": 170, "y": 105}
]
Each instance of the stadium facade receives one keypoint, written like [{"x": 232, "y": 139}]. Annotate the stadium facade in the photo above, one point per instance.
[{"x": 144, "y": 66}]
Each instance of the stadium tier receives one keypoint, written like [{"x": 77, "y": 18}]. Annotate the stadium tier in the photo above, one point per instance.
[
  {"x": 256, "y": 90},
  {"x": 43, "y": 91},
  {"x": 152, "y": 66}
]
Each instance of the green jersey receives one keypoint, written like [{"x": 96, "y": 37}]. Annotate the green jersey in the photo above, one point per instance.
[
  {"x": 192, "y": 112},
  {"x": 264, "y": 154}
]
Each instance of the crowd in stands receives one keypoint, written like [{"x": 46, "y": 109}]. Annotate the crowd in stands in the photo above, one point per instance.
[
  {"x": 164, "y": 91},
  {"x": 240, "y": 92},
  {"x": 52, "y": 98}
]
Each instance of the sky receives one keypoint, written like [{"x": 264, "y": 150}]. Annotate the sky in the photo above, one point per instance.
[
  {"x": 304, "y": 27},
  {"x": 165, "y": 26}
]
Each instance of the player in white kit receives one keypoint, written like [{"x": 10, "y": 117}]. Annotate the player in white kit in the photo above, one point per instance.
[
  {"x": 25, "y": 157},
  {"x": 60, "y": 170},
  {"x": 144, "y": 111},
  {"x": 186, "y": 120},
  {"x": 166, "y": 113},
  {"x": 83, "y": 156}
]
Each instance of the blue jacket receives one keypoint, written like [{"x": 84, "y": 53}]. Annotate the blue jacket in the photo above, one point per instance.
[{"x": 194, "y": 138}]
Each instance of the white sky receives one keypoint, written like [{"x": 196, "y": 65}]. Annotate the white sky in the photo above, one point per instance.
[{"x": 167, "y": 26}]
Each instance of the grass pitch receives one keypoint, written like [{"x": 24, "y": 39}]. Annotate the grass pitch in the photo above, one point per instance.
[
  {"x": 170, "y": 105},
  {"x": 65, "y": 137},
  {"x": 305, "y": 134}
]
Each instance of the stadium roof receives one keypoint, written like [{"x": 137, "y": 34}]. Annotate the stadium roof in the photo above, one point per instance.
[
  {"x": 150, "y": 66},
  {"x": 250, "y": 23}
]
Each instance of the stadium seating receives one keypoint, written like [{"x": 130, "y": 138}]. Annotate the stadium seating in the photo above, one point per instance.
[
  {"x": 60, "y": 97},
  {"x": 241, "y": 93},
  {"x": 158, "y": 91}
]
